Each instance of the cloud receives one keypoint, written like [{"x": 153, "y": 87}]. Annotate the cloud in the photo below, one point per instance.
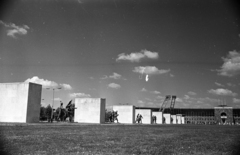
[
  {"x": 155, "y": 92},
  {"x": 44, "y": 83},
  {"x": 231, "y": 65},
  {"x": 222, "y": 92},
  {"x": 14, "y": 29},
  {"x": 192, "y": 93},
  {"x": 91, "y": 78},
  {"x": 66, "y": 86},
  {"x": 115, "y": 76},
  {"x": 235, "y": 100},
  {"x": 143, "y": 90},
  {"x": 150, "y": 70},
  {"x": 171, "y": 75},
  {"x": 219, "y": 84},
  {"x": 114, "y": 85},
  {"x": 47, "y": 83},
  {"x": 136, "y": 57},
  {"x": 79, "y": 95},
  {"x": 231, "y": 85}
]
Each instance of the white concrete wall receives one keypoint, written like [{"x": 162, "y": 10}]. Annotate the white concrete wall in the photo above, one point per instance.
[
  {"x": 89, "y": 110},
  {"x": 126, "y": 113},
  {"x": 179, "y": 118},
  {"x": 159, "y": 116},
  {"x": 146, "y": 114},
  {"x": 20, "y": 102},
  {"x": 183, "y": 120},
  {"x": 174, "y": 118},
  {"x": 167, "y": 118}
]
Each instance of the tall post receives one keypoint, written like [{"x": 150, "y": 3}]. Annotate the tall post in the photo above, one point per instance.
[{"x": 52, "y": 107}]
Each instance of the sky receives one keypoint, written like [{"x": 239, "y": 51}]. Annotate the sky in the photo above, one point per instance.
[{"x": 129, "y": 52}]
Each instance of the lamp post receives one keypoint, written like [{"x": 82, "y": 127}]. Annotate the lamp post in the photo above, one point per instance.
[{"x": 53, "y": 102}]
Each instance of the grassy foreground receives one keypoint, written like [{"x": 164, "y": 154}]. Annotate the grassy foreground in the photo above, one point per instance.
[{"x": 119, "y": 139}]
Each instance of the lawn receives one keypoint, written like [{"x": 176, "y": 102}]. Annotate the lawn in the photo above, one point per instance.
[{"x": 119, "y": 139}]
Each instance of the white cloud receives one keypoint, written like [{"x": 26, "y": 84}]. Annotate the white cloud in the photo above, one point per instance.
[
  {"x": 223, "y": 92},
  {"x": 171, "y": 75},
  {"x": 115, "y": 76},
  {"x": 80, "y": 95},
  {"x": 160, "y": 97},
  {"x": 44, "y": 83},
  {"x": 155, "y": 92},
  {"x": 150, "y": 70},
  {"x": 14, "y": 29},
  {"x": 136, "y": 57},
  {"x": 192, "y": 93},
  {"x": 235, "y": 100},
  {"x": 219, "y": 84},
  {"x": 114, "y": 85},
  {"x": 231, "y": 65},
  {"x": 143, "y": 90},
  {"x": 140, "y": 101},
  {"x": 47, "y": 83},
  {"x": 66, "y": 86}
]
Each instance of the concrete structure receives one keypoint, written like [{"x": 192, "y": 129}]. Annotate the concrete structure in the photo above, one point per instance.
[
  {"x": 183, "y": 120},
  {"x": 126, "y": 113},
  {"x": 222, "y": 114},
  {"x": 174, "y": 119},
  {"x": 89, "y": 110},
  {"x": 179, "y": 118},
  {"x": 167, "y": 118},
  {"x": 20, "y": 102},
  {"x": 159, "y": 117},
  {"x": 146, "y": 114}
]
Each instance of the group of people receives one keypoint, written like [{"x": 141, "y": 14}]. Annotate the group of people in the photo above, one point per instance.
[{"x": 139, "y": 118}]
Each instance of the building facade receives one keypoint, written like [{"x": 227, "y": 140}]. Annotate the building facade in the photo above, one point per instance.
[{"x": 216, "y": 115}]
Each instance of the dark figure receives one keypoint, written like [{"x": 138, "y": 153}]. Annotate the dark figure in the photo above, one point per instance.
[
  {"x": 164, "y": 120},
  {"x": 70, "y": 111},
  {"x": 114, "y": 116},
  {"x": 139, "y": 118},
  {"x": 60, "y": 111},
  {"x": 154, "y": 119}
]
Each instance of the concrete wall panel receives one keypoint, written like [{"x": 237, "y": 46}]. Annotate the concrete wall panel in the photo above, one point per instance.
[
  {"x": 167, "y": 118},
  {"x": 179, "y": 118},
  {"x": 126, "y": 113},
  {"x": 146, "y": 114},
  {"x": 20, "y": 102},
  {"x": 174, "y": 119},
  {"x": 159, "y": 117},
  {"x": 89, "y": 110},
  {"x": 183, "y": 120}
]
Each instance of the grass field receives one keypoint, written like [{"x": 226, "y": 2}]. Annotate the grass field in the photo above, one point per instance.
[{"x": 119, "y": 139}]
